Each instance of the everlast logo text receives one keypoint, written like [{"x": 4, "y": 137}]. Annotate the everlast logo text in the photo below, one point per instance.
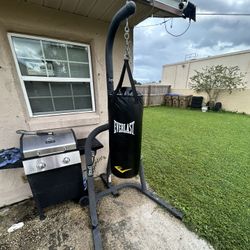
[{"x": 124, "y": 128}]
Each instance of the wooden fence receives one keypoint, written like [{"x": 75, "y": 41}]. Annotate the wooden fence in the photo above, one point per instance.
[{"x": 153, "y": 94}]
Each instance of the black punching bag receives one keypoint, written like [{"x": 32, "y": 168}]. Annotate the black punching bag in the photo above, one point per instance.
[{"x": 125, "y": 127}]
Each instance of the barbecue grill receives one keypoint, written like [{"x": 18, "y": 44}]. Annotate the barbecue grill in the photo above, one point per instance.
[{"x": 52, "y": 165}]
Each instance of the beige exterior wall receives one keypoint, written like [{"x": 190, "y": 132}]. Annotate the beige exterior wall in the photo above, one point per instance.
[
  {"x": 178, "y": 75},
  {"x": 20, "y": 17}
]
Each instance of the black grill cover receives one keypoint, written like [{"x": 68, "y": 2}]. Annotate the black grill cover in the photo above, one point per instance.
[{"x": 125, "y": 130}]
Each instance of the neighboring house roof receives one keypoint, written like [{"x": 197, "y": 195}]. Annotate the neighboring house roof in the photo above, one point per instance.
[{"x": 105, "y": 10}]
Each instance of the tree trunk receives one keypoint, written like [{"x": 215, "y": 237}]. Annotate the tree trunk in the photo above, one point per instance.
[{"x": 211, "y": 101}]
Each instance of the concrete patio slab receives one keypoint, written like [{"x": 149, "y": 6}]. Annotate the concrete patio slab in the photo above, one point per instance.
[{"x": 130, "y": 221}]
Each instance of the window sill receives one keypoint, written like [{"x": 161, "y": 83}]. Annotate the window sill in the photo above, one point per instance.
[{"x": 63, "y": 121}]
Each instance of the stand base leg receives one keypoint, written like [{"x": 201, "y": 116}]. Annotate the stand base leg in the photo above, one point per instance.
[
  {"x": 95, "y": 197},
  {"x": 104, "y": 179},
  {"x": 107, "y": 180},
  {"x": 97, "y": 238},
  {"x": 108, "y": 184},
  {"x": 178, "y": 214}
]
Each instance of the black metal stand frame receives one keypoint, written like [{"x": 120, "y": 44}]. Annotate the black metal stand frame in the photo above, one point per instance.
[{"x": 93, "y": 197}]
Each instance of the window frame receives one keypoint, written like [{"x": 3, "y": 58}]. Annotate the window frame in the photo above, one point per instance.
[{"x": 52, "y": 79}]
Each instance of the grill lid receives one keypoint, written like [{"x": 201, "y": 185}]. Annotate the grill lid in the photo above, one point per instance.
[{"x": 46, "y": 144}]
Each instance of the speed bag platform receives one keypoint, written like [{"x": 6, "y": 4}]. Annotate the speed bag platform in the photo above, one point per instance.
[{"x": 125, "y": 128}]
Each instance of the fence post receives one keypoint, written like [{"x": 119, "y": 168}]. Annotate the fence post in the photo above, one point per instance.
[{"x": 149, "y": 95}]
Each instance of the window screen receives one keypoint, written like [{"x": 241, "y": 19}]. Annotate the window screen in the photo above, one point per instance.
[{"x": 56, "y": 75}]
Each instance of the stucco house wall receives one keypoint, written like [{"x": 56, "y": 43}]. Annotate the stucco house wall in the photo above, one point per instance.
[
  {"x": 31, "y": 19},
  {"x": 178, "y": 75}
]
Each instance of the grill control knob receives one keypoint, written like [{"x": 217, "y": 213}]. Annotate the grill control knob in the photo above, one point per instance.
[
  {"x": 41, "y": 165},
  {"x": 66, "y": 160}
]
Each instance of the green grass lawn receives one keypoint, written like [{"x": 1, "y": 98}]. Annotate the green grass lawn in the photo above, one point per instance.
[{"x": 200, "y": 162}]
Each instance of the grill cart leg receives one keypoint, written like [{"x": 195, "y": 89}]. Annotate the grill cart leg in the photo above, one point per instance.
[{"x": 42, "y": 216}]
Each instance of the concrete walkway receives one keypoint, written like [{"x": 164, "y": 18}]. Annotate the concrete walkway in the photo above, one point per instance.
[{"x": 130, "y": 221}]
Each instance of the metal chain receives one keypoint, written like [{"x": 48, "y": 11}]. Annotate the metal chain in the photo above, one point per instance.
[{"x": 126, "y": 37}]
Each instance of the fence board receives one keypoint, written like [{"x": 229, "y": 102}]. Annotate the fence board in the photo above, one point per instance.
[{"x": 153, "y": 94}]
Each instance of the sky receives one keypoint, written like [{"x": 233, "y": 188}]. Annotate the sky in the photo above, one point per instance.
[{"x": 208, "y": 36}]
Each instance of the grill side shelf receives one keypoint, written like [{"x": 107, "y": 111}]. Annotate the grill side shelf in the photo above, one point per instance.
[{"x": 96, "y": 145}]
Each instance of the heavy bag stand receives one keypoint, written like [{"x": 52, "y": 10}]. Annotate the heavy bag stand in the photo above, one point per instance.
[{"x": 93, "y": 197}]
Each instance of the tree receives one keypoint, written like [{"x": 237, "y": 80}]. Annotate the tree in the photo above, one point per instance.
[{"x": 215, "y": 79}]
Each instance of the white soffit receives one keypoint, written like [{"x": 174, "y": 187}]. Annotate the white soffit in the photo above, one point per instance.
[{"x": 105, "y": 10}]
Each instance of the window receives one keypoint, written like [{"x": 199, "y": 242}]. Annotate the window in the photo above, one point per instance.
[{"x": 56, "y": 75}]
